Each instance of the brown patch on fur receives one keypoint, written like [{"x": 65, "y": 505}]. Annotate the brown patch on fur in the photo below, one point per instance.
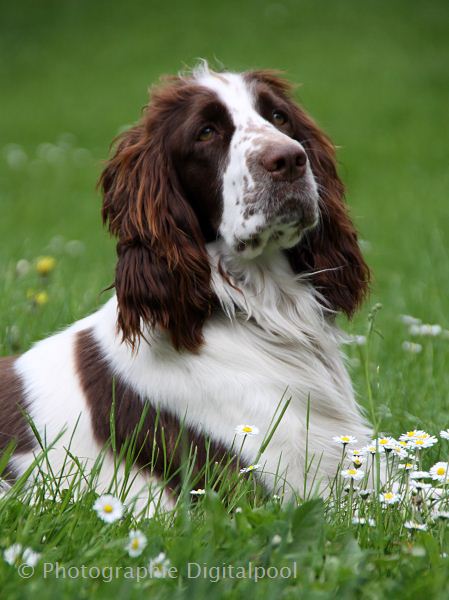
[
  {"x": 97, "y": 382},
  {"x": 13, "y": 424}
]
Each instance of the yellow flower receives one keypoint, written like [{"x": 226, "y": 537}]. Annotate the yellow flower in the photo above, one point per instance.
[
  {"x": 40, "y": 298},
  {"x": 45, "y": 265}
]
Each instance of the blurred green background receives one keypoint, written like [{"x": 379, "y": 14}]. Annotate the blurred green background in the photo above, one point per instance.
[{"x": 374, "y": 74}]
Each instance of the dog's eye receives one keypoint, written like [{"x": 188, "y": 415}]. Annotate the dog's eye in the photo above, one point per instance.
[
  {"x": 206, "y": 134},
  {"x": 279, "y": 118}
]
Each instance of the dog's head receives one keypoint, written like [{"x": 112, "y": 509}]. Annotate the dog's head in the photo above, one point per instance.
[{"x": 230, "y": 156}]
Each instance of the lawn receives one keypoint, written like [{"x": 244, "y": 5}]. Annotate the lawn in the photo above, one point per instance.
[{"x": 375, "y": 75}]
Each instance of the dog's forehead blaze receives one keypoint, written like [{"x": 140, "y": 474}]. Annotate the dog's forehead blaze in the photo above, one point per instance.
[{"x": 235, "y": 93}]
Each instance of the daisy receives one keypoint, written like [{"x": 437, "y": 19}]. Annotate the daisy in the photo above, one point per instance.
[
  {"x": 136, "y": 544},
  {"x": 354, "y": 474},
  {"x": 409, "y": 320},
  {"x": 246, "y": 430},
  {"x": 439, "y": 471},
  {"x": 344, "y": 439},
  {"x": 108, "y": 508},
  {"x": 28, "y": 556},
  {"x": 388, "y": 498},
  {"x": 250, "y": 468},
  {"x": 362, "y": 521},
  {"x": 198, "y": 492},
  {"x": 387, "y": 443},
  {"x": 412, "y": 435},
  {"x": 406, "y": 466},
  {"x": 399, "y": 452},
  {"x": 441, "y": 514},
  {"x": 12, "y": 553},
  {"x": 366, "y": 492},
  {"x": 370, "y": 449},
  {"x": 411, "y": 347},
  {"x": 419, "y": 475},
  {"x": 444, "y": 434},
  {"x": 415, "y": 525},
  {"x": 422, "y": 442},
  {"x": 158, "y": 566},
  {"x": 357, "y": 461}
]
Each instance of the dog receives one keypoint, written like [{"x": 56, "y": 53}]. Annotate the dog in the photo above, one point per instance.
[{"x": 235, "y": 254}]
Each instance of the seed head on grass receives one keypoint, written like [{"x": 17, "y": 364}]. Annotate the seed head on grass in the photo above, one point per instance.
[{"x": 109, "y": 508}]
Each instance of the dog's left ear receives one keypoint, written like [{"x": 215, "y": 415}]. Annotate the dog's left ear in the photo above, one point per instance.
[{"x": 330, "y": 252}]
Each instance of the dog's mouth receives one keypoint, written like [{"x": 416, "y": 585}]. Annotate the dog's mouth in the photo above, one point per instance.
[{"x": 279, "y": 222}]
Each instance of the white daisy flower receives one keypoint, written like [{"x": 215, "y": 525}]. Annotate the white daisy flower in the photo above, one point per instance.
[
  {"x": 413, "y": 435},
  {"x": 159, "y": 566},
  {"x": 444, "y": 434},
  {"x": 357, "y": 461},
  {"x": 246, "y": 430},
  {"x": 415, "y": 525},
  {"x": 27, "y": 555},
  {"x": 109, "y": 508},
  {"x": 366, "y": 493},
  {"x": 441, "y": 514},
  {"x": 411, "y": 347},
  {"x": 198, "y": 492},
  {"x": 370, "y": 449},
  {"x": 439, "y": 471},
  {"x": 356, "y": 340},
  {"x": 136, "y": 544},
  {"x": 422, "y": 442},
  {"x": 417, "y": 484},
  {"x": 250, "y": 468},
  {"x": 399, "y": 451},
  {"x": 388, "y": 498},
  {"x": 362, "y": 521},
  {"x": 426, "y": 330},
  {"x": 344, "y": 439},
  {"x": 409, "y": 320},
  {"x": 387, "y": 443},
  {"x": 12, "y": 553},
  {"x": 276, "y": 539},
  {"x": 355, "y": 474},
  {"x": 419, "y": 475},
  {"x": 406, "y": 466}
]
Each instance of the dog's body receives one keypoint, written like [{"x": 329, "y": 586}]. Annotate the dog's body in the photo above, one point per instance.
[{"x": 221, "y": 310}]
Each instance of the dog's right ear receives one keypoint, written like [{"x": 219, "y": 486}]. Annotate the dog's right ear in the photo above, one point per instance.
[{"x": 163, "y": 273}]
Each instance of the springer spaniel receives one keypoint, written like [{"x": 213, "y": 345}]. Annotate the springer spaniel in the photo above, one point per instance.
[{"x": 235, "y": 253}]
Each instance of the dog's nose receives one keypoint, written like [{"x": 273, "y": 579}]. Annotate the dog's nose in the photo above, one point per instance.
[{"x": 285, "y": 163}]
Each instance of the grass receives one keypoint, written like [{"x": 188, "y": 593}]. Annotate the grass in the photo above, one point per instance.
[{"x": 375, "y": 76}]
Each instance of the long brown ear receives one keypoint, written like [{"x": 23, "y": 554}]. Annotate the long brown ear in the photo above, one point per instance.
[
  {"x": 163, "y": 273},
  {"x": 330, "y": 252}
]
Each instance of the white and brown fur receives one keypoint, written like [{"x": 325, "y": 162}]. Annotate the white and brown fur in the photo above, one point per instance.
[{"x": 235, "y": 252}]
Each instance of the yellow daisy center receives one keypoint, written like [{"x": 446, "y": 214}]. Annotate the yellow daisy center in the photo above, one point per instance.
[
  {"x": 388, "y": 495},
  {"x": 135, "y": 544},
  {"x": 441, "y": 471},
  {"x": 419, "y": 442},
  {"x": 247, "y": 429},
  {"x": 107, "y": 508},
  {"x": 352, "y": 471},
  {"x": 344, "y": 438}
]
